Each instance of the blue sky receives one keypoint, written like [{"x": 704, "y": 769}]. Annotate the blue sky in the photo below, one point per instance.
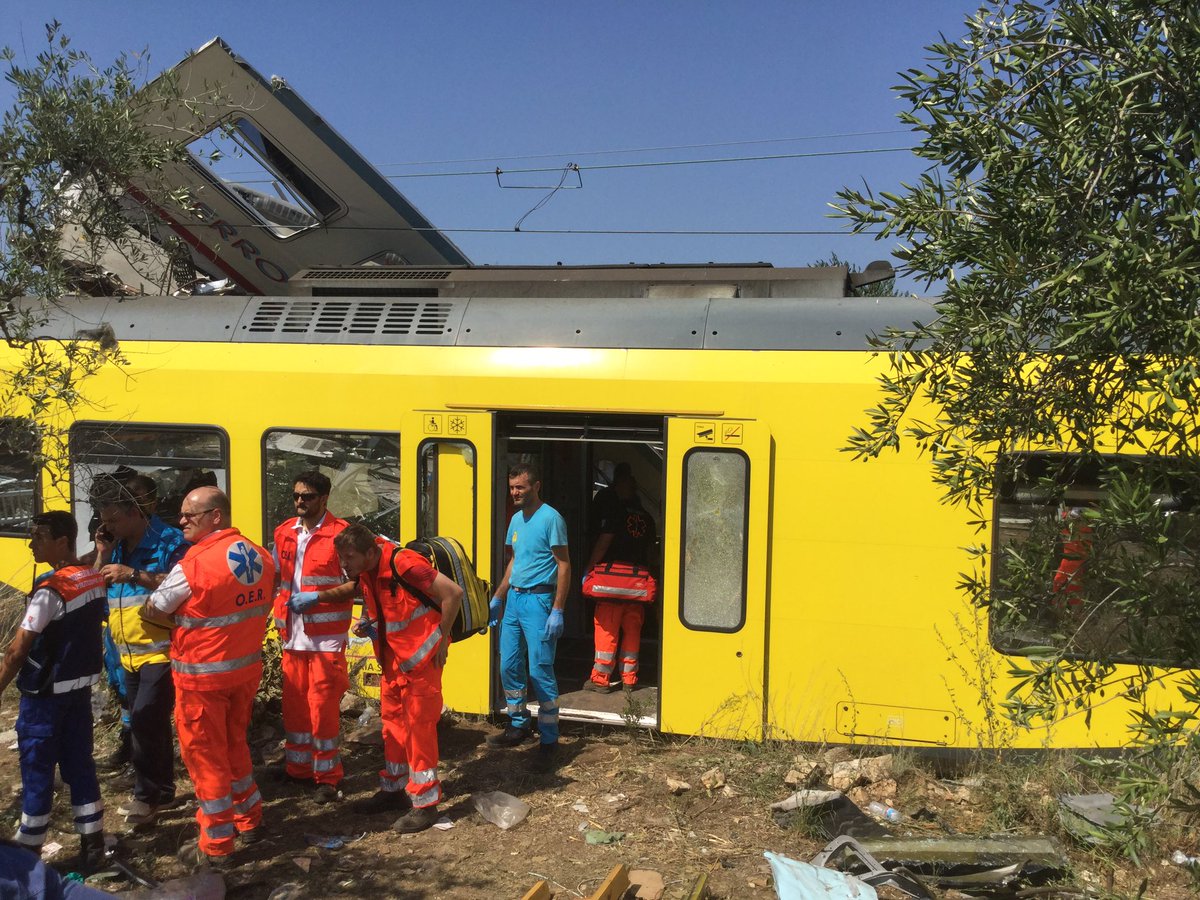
[{"x": 416, "y": 85}]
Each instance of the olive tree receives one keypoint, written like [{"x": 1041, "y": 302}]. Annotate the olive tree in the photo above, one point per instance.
[{"x": 1056, "y": 378}]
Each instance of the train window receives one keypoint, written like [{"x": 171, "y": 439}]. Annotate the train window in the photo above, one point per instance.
[
  {"x": 363, "y": 467},
  {"x": 262, "y": 178},
  {"x": 1080, "y": 564},
  {"x": 713, "y": 570},
  {"x": 446, "y": 491},
  {"x": 18, "y": 475},
  {"x": 178, "y": 458}
]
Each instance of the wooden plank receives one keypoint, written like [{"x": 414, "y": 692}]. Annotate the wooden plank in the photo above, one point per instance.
[
  {"x": 540, "y": 891},
  {"x": 699, "y": 889},
  {"x": 614, "y": 886}
]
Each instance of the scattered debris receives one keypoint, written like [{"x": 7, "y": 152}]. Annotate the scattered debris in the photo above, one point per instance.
[
  {"x": 854, "y": 772},
  {"x": 613, "y": 798},
  {"x": 599, "y": 836},
  {"x": 10, "y": 735},
  {"x": 649, "y": 884},
  {"x": 805, "y": 773},
  {"x": 868, "y": 869},
  {"x": 581, "y": 808},
  {"x": 1092, "y": 818},
  {"x": 443, "y": 824},
  {"x": 807, "y": 797},
  {"x": 501, "y": 809},
  {"x": 1182, "y": 859},
  {"x": 677, "y": 787},
  {"x": 50, "y": 849},
  {"x": 352, "y": 703},
  {"x": 713, "y": 779},
  {"x": 304, "y": 863},
  {"x": 204, "y": 885},
  {"x": 795, "y": 880},
  {"x": 332, "y": 841},
  {"x": 289, "y": 891}
]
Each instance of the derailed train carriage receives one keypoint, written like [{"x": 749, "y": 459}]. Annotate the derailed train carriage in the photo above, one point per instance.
[{"x": 803, "y": 595}]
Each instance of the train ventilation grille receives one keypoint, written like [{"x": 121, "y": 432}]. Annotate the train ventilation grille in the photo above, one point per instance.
[
  {"x": 298, "y": 317},
  {"x": 373, "y": 273}
]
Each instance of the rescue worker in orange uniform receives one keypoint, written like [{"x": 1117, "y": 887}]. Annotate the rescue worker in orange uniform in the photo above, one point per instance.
[
  {"x": 313, "y": 608},
  {"x": 217, "y": 598},
  {"x": 1076, "y": 537},
  {"x": 627, "y": 535},
  {"x": 411, "y": 647}
]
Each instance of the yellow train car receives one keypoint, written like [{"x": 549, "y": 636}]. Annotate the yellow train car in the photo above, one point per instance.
[{"x": 802, "y": 595}]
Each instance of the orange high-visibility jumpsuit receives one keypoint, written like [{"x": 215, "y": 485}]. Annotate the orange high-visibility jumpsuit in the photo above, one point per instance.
[
  {"x": 1077, "y": 546},
  {"x": 613, "y": 619},
  {"x": 314, "y": 681},
  {"x": 216, "y": 660},
  {"x": 410, "y": 689}
]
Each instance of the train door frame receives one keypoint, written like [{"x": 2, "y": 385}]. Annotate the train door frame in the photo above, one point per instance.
[{"x": 592, "y": 428}]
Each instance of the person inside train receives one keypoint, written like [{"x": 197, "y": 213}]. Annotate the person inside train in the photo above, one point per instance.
[
  {"x": 624, "y": 544},
  {"x": 532, "y": 594}
]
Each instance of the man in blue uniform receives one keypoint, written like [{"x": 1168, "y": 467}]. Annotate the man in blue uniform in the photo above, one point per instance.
[
  {"x": 56, "y": 657},
  {"x": 535, "y": 586}
]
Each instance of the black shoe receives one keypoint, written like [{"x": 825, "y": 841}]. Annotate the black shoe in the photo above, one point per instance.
[
  {"x": 545, "y": 759},
  {"x": 597, "y": 688},
  {"x": 251, "y": 835},
  {"x": 509, "y": 737},
  {"x": 93, "y": 855},
  {"x": 416, "y": 819},
  {"x": 280, "y": 775},
  {"x": 328, "y": 793},
  {"x": 381, "y": 802},
  {"x": 119, "y": 758},
  {"x": 194, "y": 858}
]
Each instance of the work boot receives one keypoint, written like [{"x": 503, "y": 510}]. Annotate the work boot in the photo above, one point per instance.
[
  {"x": 138, "y": 812},
  {"x": 119, "y": 758},
  {"x": 193, "y": 857},
  {"x": 381, "y": 802},
  {"x": 93, "y": 855},
  {"x": 327, "y": 793},
  {"x": 509, "y": 737},
  {"x": 416, "y": 819},
  {"x": 545, "y": 760},
  {"x": 251, "y": 835},
  {"x": 598, "y": 688}
]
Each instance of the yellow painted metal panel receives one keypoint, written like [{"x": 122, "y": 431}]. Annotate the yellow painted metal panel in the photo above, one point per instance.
[{"x": 713, "y": 682}]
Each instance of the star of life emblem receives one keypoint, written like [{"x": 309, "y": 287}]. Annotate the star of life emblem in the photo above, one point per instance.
[{"x": 244, "y": 562}]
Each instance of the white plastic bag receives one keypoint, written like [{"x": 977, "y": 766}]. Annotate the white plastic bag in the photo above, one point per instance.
[{"x": 500, "y": 808}]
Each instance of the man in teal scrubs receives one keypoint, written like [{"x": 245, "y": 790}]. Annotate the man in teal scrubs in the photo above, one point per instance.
[{"x": 535, "y": 587}]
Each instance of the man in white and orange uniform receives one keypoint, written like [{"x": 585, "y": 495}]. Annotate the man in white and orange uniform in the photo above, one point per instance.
[
  {"x": 217, "y": 598},
  {"x": 313, "y": 608},
  {"x": 411, "y": 647}
]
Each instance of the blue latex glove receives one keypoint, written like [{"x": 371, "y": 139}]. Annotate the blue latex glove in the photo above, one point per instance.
[
  {"x": 494, "y": 612},
  {"x": 554, "y": 626},
  {"x": 302, "y": 601}
]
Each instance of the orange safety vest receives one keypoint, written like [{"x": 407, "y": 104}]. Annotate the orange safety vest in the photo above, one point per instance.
[
  {"x": 218, "y": 639},
  {"x": 409, "y": 631},
  {"x": 1077, "y": 546},
  {"x": 321, "y": 571}
]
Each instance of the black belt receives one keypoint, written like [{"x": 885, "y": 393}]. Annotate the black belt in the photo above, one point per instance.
[{"x": 537, "y": 589}]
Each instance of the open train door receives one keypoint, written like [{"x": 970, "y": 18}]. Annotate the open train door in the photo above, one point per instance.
[
  {"x": 718, "y": 478},
  {"x": 451, "y": 495}
]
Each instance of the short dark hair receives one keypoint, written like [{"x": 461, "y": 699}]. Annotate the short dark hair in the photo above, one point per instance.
[
  {"x": 315, "y": 479},
  {"x": 622, "y": 470},
  {"x": 59, "y": 523},
  {"x": 143, "y": 487},
  {"x": 355, "y": 536},
  {"x": 524, "y": 468}
]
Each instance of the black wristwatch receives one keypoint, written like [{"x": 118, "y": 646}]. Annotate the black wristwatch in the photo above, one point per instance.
[{"x": 133, "y": 576}]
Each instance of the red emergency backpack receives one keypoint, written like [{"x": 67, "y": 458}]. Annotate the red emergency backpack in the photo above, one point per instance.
[{"x": 621, "y": 582}]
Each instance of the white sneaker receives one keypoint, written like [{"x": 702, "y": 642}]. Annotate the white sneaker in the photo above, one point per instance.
[{"x": 134, "y": 807}]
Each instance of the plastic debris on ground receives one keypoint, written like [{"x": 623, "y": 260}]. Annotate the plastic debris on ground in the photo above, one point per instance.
[
  {"x": 204, "y": 885},
  {"x": 1182, "y": 859},
  {"x": 581, "y": 808},
  {"x": 332, "y": 841},
  {"x": 501, "y": 809},
  {"x": 795, "y": 880},
  {"x": 599, "y": 836},
  {"x": 50, "y": 849},
  {"x": 832, "y": 813},
  {"x": 289, "y": 891},
  {"x": 443, "y": 824},
  {"x": 1092, "y": 818}
]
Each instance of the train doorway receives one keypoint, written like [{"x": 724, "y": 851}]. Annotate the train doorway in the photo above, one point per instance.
[{"x": 578, "y": 456}]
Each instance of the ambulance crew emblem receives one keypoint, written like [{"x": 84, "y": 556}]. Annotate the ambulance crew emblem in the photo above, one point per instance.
[{"x": 244, "y": 562}]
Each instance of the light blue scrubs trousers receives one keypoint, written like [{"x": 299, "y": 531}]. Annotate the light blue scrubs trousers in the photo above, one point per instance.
[{"x": 524, "y": 648}]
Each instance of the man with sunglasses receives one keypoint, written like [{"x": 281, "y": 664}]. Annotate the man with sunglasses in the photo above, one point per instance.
[
  {"x": 217, "y": 598},
  {"x": 312, "y": 612}
]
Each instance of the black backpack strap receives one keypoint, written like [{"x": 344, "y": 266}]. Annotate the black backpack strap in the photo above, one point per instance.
[{"x": 397, "y": 580}]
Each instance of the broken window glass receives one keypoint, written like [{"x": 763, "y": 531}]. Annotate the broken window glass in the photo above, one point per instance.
[
  {"x": 253, "y": 170},
  {"x": 1093, "y": 562},
  {"x": 713, "y": 586}
]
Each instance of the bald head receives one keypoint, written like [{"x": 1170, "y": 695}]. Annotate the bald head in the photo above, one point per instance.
[{"x": 203, "y": 511}]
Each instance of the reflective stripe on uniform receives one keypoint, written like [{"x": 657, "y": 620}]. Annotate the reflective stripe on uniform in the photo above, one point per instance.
[
  {"x": 244, "y": 806},
  {"x": 30, "y": 840},
  {"x": 395, "y": 770},
  {"x": 151, "y": 647},
  {"x": 427, "y": 798},
  {"x": 327, "y": 765},
  {"x": 28, "y": 821},
  {"x": 242, "y": 784},
  {"x": 605, "y": 656},
  {"x": 297, "y": 756},
  {"x": 513, "y": 696},
  {"x": 341, "y": 616},
  {"x": 320, "y": 581},
  {"x": 423, "y": 776},
  {"x": 211, "y": 668},
  {"x": 390, "y": 786},
  {"x": 221, "y": 621},
  {"x": 84, "y": 599},
  {"x": 631, "y": 666},
  {"x": 87, "y": 809},
  {"x": 547, "y": 714},
  {"x": 279, "y": 623},
  {"x": 125, "y": 602},
  {"x": 89, "y": 827},
  {"x": 298, "y": 737},
  {"x": 213, "y": 807},
  {"x": 62, "y": 687},
  {"x": 326, "y": 743},
  {"x": 625, "y": 592},
  {"x": 216, "y": 832},
  {"x": 401, "y": 625},
  {"x": 605, "y": 668},
  {"x": 423, "y": 651}
]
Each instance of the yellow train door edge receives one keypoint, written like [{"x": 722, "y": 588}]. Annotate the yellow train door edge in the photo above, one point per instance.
[
  {"x": 447, "y": 490},
  {"x": 715, "y": 531}
]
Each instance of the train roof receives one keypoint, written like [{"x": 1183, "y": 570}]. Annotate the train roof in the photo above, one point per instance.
[{"x": 710, "y": 307}]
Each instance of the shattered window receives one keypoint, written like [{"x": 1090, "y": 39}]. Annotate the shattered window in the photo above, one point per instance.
[
  {"x": 1093, "y": 562},
  {"x": 177, "y": 459},
  {"x": 363, "y": 469},
  {"x": 18, "y": 475},
  {"x": 713, "y": 580},
  {"x": 255, "y": 171}
]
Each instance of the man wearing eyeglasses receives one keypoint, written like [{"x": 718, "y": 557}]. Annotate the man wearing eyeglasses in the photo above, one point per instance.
[
  {"x": 313, "y": 606},
  {"x": 217, "y": 598}
]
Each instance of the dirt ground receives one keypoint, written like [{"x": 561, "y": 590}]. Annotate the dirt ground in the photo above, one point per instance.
[{"x": 619, "y": 776}]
